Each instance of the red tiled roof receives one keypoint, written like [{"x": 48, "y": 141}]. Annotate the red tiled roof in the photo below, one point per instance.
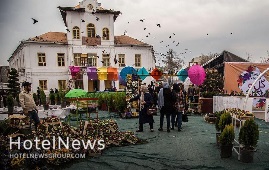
[
  {"x": 56, "y": 37},
  {"x": 126, "y": 40},
  {"x": 60, "y": 37}
]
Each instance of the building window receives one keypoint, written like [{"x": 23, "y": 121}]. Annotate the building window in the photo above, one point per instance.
[
  {"x": 60, "y": 58},
  {"x": 62, "y": 84},
  {"x": 92, "y": 59},
  {"x": 76, "y": 33},
  {"x": 41, "y": 59},
  {"x": 77, "y": 59},
  {"x": 43, "y": 84},
  {"x": 106, "y": 60},
  {"x": 84, "y": 60},
  {"x": 138, "y": 60},
  {"x": 121, "y": 60},
  {"x": 105, "y": 34},
  {"x": 90, "y": 30}
]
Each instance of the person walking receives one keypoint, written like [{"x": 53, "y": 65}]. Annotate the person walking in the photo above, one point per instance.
[
  {"x": 145, "y": 101},
  {"x": 166, "y": 102},
  {"x": 28, "y": 104},
  {"x": 179, "y": 106}
]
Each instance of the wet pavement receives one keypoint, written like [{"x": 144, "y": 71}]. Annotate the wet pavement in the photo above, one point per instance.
[{"x": 192, "y": 148}]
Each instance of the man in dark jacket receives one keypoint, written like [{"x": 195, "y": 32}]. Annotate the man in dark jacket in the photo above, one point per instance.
[{"x": 166, "y": 102}]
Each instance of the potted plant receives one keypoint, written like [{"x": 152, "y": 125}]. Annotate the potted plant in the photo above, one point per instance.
[
  {"x": 248, "y": 137},
  {"x": 52, "y": 98},
  {"x": 44, "y": 100},
  {"x": 35, "y": 98},
  {"x": 10, "y": 103},
  {"x": 225, "y": 119},
  {"x": 218, "y": 114},
  {"x": 226, "y": 141}
]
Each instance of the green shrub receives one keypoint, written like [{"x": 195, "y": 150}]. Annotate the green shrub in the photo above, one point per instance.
[
  {"x": 218, "y": 114},
  {"x": 249, "y": 134},
  {"x": 227, "y": 135},
  {"x": 225, "y": 119}
]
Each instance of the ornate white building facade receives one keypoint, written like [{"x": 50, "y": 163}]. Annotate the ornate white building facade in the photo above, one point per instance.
[{"x": 89, "y": 42}]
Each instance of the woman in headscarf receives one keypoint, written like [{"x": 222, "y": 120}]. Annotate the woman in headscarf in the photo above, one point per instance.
[
  {"x": 145, "y": 101},
  {"x": 166, "y": 102}
]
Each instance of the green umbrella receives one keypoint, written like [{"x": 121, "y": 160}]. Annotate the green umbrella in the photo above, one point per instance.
[{"x": 75, "y": 93}]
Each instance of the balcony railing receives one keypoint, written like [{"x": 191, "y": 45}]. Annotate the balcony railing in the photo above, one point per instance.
[{"x": 91, "y": 41}]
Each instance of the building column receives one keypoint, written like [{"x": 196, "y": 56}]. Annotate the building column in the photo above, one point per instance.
[{"x": 85, "y": 82}]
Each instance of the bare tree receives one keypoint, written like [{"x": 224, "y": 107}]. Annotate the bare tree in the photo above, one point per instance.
[
  {"x": 173, "y": 62},
  {"x": 206, "y": 58}
]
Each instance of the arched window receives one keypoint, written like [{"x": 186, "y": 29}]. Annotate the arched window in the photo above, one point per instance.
[
  {"x": 90, "y": 30},
  {"x": 76, "y": 34},
  {"x": 105, "y": 34}
]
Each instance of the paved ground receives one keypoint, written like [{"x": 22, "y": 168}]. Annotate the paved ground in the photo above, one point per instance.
[{"x": 193, "y": 148}]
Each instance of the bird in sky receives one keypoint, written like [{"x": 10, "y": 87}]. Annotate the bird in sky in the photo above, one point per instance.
[
  {"x": 82, "y": 20},
  {"x": 67, "y": 30},
  {"x": 34, "y": 20},
  {"x": 142, "y": 20},
  {"x": 159, "y": 25},
  {"x": 145, "y": 28},
  {"x": 102, "y": 62},
  {"x": 97, "y": 19}
]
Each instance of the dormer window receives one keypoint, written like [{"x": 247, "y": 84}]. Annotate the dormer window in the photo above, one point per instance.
[
  {"x": 91, "y": 30},
  {"x": 105, "y": 34},
  {"x": 76, "y": 34}
]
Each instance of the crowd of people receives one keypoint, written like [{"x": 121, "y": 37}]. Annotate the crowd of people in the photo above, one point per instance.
[{"x": 171, "y": 101}]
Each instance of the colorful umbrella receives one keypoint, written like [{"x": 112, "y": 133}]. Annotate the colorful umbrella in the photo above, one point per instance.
[
  {"x": 143, "y": 73},
  {"x": 127, "y": 70},
  {"x": 121, "y": 80},
  {"x": 182, "y": 75},
  {"x": 112, "y": 73},
  {"x": 76, "y": 93},
  {"x": 156, "y": 74},
  {"x": 74, "y": 70},
  {"x": 92, "y": 73},
  {"x": 102, "y": 73},
  {"x": 196, "y": 74}
]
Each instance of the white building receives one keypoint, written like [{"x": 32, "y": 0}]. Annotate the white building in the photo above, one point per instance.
[{"x": 89, "y": 41}]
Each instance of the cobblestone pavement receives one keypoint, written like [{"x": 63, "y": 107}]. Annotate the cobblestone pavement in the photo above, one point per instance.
[{"x": 192, "y": 148}]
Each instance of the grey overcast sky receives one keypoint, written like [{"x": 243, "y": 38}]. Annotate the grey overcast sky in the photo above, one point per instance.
[{"x": 199, "y": 26}]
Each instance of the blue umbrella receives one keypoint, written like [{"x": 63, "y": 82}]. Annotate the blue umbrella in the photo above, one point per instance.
[
  {"x": 127, "y": 70},
  {"x": 182, "y": 75},
  {"x": 143, "y": 73}
]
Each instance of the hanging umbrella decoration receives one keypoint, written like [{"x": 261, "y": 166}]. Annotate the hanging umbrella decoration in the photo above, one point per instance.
[
  {"x": 156, "y": 74},
  {"x": 182, "y": 74},
  {"x": 143, "y": 73},
  {"x": 127, "y": 70},
  {"x": 75, "y": 93},
  {"x": 197, "y": 74},
  {"x": 121, "y": 80}
]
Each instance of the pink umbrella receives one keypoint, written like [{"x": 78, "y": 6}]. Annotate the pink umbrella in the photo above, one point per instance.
[{"x": 197, "y": 74}]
